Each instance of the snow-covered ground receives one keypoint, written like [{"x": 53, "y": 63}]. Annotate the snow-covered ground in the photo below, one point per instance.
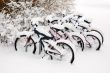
[{"x": 85, "y": 62}]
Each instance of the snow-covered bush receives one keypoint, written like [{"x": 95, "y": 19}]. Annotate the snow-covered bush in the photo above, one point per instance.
[
  {"x": 16, "y": 16},
  {"x": 18, "y": 20},
  {"x": 56, "y": 5}
]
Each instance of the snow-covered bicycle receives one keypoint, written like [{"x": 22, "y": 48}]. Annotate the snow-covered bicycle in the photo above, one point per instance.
[
  {"x": 79, "y": 28},
  {"x": 46, "y": 43},
  {"x": 93, "y": 38}
]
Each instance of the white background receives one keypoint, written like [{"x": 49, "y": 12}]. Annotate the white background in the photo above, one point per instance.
[{"x": 85, "y": 62}]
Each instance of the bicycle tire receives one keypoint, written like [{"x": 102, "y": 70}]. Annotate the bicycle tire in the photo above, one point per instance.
[
  {"x": 100, "y": 34},
  {"x": 81, "y": 43},
  {"x": 17, "y": 39},
  {"x": 99, "y": 46},
  {"x": 72, "y": 52}
]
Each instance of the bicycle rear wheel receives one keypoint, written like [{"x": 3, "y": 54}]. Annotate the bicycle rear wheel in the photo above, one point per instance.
[
  {"x": 67, "y": 53},
  {"x": 24, "y": 43}
]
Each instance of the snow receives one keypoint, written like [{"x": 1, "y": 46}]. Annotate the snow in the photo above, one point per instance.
[
  {"x": 36, "y": 20},
  {"x": 57, "y": 26},
  {"x": 85, "y": 62},
  {"x": 44, "y": 30}
]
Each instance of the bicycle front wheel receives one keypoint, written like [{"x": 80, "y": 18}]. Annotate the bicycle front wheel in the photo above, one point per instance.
[
  {"x": 79, "y": 41},
  {"x": 93, "y": 41},
  {"x": 102, "y": 38},
  {"x": 67, "y": 53},
  {"x": 24, "y": 43}
]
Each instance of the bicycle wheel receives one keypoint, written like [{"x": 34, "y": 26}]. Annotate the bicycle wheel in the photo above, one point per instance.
[
  {"x": 24, "y": 43},
  {"x": 79, "y": 42},
  {"x": 99, "y": 34},
  {"x": 93, "y": 41},
  {"x": 67, "y": 53}
]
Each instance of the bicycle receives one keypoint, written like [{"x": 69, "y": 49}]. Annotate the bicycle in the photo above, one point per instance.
[
  {"x": 57, "y": 49},
  {"x": 85, "y": 30},
  {"x": 53, "y": 19}
]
